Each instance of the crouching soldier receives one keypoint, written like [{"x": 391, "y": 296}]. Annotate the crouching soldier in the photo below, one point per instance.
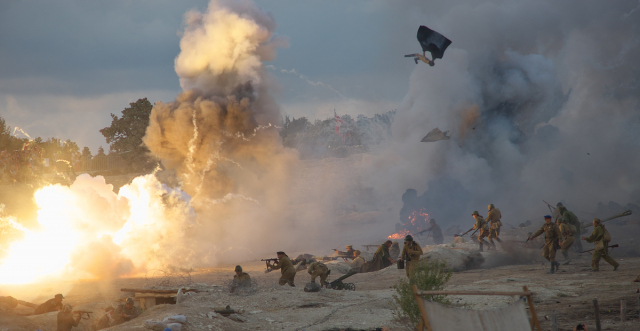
[
  {"x": 65, "y": 320},
  {"x": 241, "y": 279},
  {"x": 126, "y": 312},
  {"x": 318, "y": 269}
]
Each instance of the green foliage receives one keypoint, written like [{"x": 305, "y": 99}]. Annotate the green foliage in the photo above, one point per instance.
[
  {"x": 9, "y": 142},
  {"x": 86, "y": 152},
  {"x": 100, "y": 151},
  {"x": 428, "y": 275},
  {"x": 319, "y": 139},
  {"x": 125, "y": 134}
]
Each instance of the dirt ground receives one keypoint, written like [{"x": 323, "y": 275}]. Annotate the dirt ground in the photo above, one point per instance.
[{"x": 569, "y": 292}]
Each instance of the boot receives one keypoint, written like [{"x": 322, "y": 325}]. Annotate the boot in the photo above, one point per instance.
[
  {"x": 566, "y": 258},
  {"x": 551, "y": 271},
  {"x": 557, "y": 264},
  {"x": 481, "y": 247},
  {"x": 499, "y": 240}
]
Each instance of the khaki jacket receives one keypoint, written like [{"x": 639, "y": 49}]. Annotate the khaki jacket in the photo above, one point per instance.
[
  {"x": 551, "y": 233},
  {"x": 417, "y": 251}
]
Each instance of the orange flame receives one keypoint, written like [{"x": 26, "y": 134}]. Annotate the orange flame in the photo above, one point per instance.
[{"x": 419, "y": 220}]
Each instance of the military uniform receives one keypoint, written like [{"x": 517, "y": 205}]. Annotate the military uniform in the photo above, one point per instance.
[
  {"x": 436, "y": 233},
  {"x": 493, "y": 217},
  {"x": 124, "y": 310},
  {"x": 551, "y": 236},
  {"x": 357, "y": 262},
  {"x": 412, "y": 259},
  {"x": 318, "y": 269},
  {"x": 105, "y": 322},
  {"x": 287, "y": 271},
  {"x": 601, "y": 250},
  {"x": 65, "y": 321},
  {"x": 459, "y": 240},
  {"x": 483, "y": 228},
  {"x": 572, "y": 219},
  {"x": 567, "y": 241},
  {"x": 243, "y": 280},
  {"x": 47, "y": 307},
  {"x": 394, "y": 251}
]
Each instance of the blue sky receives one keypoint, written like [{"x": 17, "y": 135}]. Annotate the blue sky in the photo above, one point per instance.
[{"x": 65, "y": 65}]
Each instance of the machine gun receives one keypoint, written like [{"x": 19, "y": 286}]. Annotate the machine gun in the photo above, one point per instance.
[
  {"x": 626, "y": 213},
  {"x": 343, "y": 255},
  {"x": 266, "y": 261},
  {"x": 421, "y": 232},
  {"x": 612, "y": 246},
  {"x": 339, "y": 285},
  {"x": 82, "y": 312}
]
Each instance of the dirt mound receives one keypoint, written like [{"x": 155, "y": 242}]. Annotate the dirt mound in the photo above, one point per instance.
[{"x": 458, "y": 257}]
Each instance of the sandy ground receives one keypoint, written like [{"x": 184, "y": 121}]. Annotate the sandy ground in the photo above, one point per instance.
[{"x": 569, "y": 292}]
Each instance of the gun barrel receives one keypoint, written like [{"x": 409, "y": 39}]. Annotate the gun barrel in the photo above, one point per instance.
[{"x": 625, "y": 213}]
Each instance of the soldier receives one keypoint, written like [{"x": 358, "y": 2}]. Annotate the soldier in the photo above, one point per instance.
[
  {"x": 556, "y": 214},
  {"x": 381, "y": 259},
  {"x": 411, "y": 251},
  {"x": 126, "y": 312},
  {"x": 318, "y": 269},
  {"x": 394, "y": 251},
  {"x": 481, "y": 225},
  {"x": 457, "y": 239},
  {"x": 241, "y": 279},
  {"x": 50, "y": 305},
  {"x": 436, "y": 232},
  {"x": 493, "y": 217},
  {"x": 287, "y": 271},
  {"x": 358, "y": 261},
  {"x": 551, "y": 236},
  {"x": 567, "y": 232},
  {"x": 572, "y": 219},
  {"x": 601, "y": 237},
  {"x": 107, "y": 320},
  {"x": 65, "y": 320}
]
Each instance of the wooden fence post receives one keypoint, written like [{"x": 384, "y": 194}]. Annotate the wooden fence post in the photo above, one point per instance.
[{"x": 597, "y": 310}]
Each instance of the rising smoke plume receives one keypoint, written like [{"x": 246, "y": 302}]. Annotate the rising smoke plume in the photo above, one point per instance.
[{"x": 557, "y": 95}]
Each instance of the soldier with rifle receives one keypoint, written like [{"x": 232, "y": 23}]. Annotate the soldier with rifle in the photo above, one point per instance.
[
  {"x": 241, "y": 279},
  {"x": 65, "y": 320},
  {"x": 601, "y": 237},
  {"x": 571, "y": 219},
  {"x": 567, "y": 231},
  {"x": 551, "y": 236},
  {"x": 481, "y": 225},
  {"x": 126, "y": 312},
  {"x": 287, "y": 271},
  {"x": 410, "y": 254},
  {"x": 436, "y": 232},
  {"x": 493, "y": 217}
]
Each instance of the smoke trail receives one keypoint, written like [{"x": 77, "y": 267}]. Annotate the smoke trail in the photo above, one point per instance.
[{"x": 15, "y": 129}]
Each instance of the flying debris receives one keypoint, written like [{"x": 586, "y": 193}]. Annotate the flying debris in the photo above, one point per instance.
[
  {"x": 432, "y": 42},
  {"x": 435, "y": 135}
]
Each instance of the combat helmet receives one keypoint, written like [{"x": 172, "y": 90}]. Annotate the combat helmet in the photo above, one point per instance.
[
  {"x": 475, "y": 213},
  {"x": 491, "y": 206},
  {"x": 238, "y": 269}
]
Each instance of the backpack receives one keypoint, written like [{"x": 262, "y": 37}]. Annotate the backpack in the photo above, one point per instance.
[
  {"x": 606, "y": 237},
  {"x": 573, "y": 229}
]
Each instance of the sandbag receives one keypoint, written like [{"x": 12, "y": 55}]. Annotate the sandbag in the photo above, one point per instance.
[
  {"x": 175, "y": 319},
  {"x": 312, "y": 287},
  {"x": 155, "y": 325},
  {"x": 175, "y": 326}
]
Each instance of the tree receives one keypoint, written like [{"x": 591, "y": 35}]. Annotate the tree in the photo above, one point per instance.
[
  {"x": 100, "y": 151},
  {"x": 86, "y": 152},
  {"x": 125, "y": 134},
  {"x": 7, "y": 140}
]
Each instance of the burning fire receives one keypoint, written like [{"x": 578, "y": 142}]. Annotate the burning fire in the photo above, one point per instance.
[
  {"x": 417, "y": 221},
  {"x": 77, "y": 224}
]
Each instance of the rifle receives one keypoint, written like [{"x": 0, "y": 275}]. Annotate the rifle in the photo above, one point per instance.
[
  {"x": 421, "y": 232},
  {"x": 267, "y": 263},
  {"x": 612, "y": 246},
  {"x": 626, "y": 213},
  {"x": 344, "y": 256},
  {"x": 551, "y": 208},
  {"x": 466, "y": 232},
  {"x": 82, "y": 312}
]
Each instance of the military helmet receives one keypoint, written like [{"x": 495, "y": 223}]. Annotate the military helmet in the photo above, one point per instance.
[
  {"x": 67, "y": 308},
  {"x": 432, "y": 221},
  {"x": 476, "y": 213},
  {"x": 559, "y": 204},
  {"x": 356, "y": 252},
  {"x": 59, "y": 296},
  {"x": 408, "y": 238},
  {"x": 597, "y": 220},
  {"x": 491, "y": 206},
  {"x": 238, "y": 268},
  {"x": 129, "y": 301}
]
